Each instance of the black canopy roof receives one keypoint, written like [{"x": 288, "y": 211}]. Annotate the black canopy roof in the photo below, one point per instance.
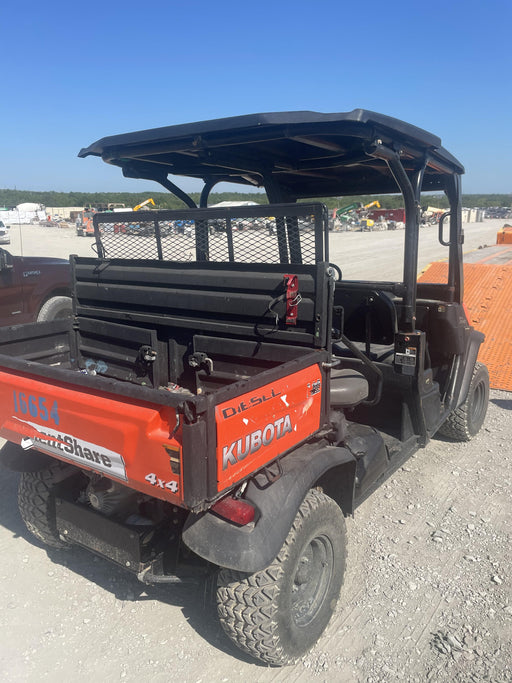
[{"x": 304, "y": 154}]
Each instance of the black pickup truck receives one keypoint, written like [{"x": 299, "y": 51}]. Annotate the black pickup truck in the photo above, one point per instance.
[
  {"x": 222, "y": 400},
  {"x": 33, "y": 288}
]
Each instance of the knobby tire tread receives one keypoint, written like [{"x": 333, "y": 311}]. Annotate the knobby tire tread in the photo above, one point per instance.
[
  {"x": 457, "y": 425},
  {"x": 247, "y": 603},
  {"x": 37, "y": 505}
]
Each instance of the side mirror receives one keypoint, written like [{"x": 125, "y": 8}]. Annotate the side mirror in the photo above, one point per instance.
[{"x": 5, "y": 260}]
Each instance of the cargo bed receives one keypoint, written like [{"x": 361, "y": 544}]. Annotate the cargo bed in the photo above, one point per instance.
[{"x": 169, "y": 367}]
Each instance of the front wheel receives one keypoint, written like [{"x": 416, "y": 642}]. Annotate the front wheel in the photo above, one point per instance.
[
  {"x": 466, "y": 420},
  {"x": 277, "y": 614}
]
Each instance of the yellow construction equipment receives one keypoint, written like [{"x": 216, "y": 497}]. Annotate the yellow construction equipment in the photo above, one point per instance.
[{"x": 145, "y": 203}]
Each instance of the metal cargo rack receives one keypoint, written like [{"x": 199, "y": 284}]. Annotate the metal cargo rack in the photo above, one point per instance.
[{"x": 285, "y": 233}]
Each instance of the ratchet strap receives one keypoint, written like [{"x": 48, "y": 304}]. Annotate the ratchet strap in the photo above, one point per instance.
[{"x": 292, "y": 298}]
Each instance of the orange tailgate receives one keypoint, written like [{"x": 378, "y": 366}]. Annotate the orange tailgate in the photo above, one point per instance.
[
  {"x": 254, "y": 428},
  {"x": 120, "y": 438}
]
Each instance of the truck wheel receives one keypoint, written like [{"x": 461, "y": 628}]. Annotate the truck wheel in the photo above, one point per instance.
[
  {"x": 56, "y": 307},
  {"x": 466, "y": 420},
  {"x": 278, "y": 613},
  {"x": 36, "y": 502}
]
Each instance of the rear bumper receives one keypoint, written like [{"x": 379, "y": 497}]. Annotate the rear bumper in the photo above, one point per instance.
[{"x": 151, "y": 552}]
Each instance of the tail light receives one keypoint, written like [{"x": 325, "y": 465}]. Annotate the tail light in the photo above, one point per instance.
[{"x": 234, "y": 510}]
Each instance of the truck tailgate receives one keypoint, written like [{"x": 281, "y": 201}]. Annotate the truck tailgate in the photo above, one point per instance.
[{"x": 122, "y": 438}]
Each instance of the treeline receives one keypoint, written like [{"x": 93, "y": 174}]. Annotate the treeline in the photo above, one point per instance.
[{"x": 165, "y": 200}]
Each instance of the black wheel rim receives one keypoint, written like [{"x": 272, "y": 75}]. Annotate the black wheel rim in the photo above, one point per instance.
[{"x": 311, "y": 580}]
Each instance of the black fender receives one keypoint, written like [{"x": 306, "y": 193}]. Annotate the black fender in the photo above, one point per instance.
[
  {"x": 475, "y": 340},
  {"x": 252, "y": 547},
  {"x": 13, "y": 457}
]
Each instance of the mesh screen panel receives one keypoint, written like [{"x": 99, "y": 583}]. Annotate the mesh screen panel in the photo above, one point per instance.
[{"x": 292, "y": 234}]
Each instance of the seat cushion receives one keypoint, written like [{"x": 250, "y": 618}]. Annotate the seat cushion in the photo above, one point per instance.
[{"x": 348, "y": 387}]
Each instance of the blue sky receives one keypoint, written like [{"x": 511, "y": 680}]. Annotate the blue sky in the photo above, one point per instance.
[{"x": 76, "y": 72}]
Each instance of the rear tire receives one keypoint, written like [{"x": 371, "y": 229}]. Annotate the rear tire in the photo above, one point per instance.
[
  {"x": 466, "y": 420},
  {"x": 277, "y": 614},
  {"x": 56, "y": 307},
  {"x": 36, "y": 502}
]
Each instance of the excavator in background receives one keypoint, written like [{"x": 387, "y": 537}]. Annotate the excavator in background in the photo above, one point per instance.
[
  {"x": 144, "y": 203},
  {"x": 84, "y": 224},
  {"x": 369, "y": 206},
  {"x": 364, "y": 221},
  {"x": 136, "y": 228},
  {"x": 355, "y": 214}
]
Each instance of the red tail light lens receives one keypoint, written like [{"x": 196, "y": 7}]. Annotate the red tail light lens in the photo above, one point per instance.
[{"x": 235, "y": 510}]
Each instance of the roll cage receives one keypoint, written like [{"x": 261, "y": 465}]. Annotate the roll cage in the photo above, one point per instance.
[{"x": 295, "y": 156}]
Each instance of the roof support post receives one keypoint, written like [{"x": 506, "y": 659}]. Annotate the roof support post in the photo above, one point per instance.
[
  {"x": 455, "y": 270},
  {"x": 412, "y": 227},
  {"x": 276, "y": 195},
  {"x": 209, "y": 184},
  {"x": 144, "y": 171},
  {"x": 407, "y": 322},
  {"x": 175, "y": 190}
]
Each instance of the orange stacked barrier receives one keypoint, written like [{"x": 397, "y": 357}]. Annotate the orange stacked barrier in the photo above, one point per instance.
[{"x": 488, "y": 299}]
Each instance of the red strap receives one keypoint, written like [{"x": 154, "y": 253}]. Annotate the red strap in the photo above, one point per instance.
[{"x": 291, "y": 283}]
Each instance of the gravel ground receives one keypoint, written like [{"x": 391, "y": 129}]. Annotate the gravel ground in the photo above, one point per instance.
[{"x": 427, "y": 595}]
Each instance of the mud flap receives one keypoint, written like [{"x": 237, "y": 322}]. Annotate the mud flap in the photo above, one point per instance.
[
  {"x": 475, "y": 341},
  {"x": 251, "y": 548}
]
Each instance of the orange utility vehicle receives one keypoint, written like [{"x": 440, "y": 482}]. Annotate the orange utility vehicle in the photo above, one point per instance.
[{"x": 222, "y": 403}]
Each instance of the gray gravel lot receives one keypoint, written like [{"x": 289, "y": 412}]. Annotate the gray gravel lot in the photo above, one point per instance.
[
  {"x": 359, "y": 254},
  {"x": 427, "y": 594}
]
